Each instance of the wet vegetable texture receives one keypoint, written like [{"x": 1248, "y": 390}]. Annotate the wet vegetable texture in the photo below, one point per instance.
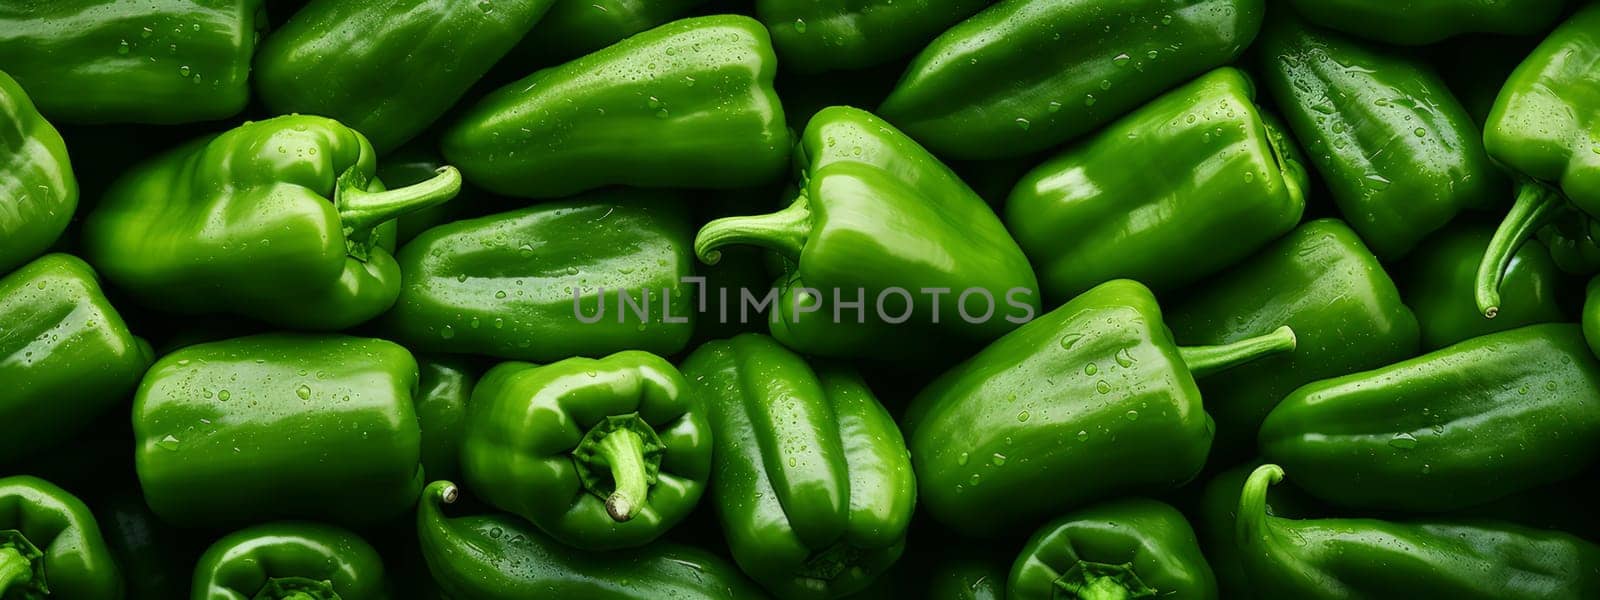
[{"x": 799, "y": 299}]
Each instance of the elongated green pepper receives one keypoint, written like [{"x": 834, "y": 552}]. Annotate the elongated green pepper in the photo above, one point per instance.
[
  {"x": 879, "y": 222},
  {"x": 1460, "y": 426},
  {"x": 1026, "y": 75},
  {"x": 813, "y": 484},
  {"x": 814, "y": 36},
  {"x": 1130, "y": 548},
  {"x": 279, "y": 426},
  {"x": 1367, "y": 558},
  {"x": 500, "y": 557},
  {"x": 574, "y": 28},
  {"x": 687, "y": 104},
  {"x": 1399, "y": 153},
  {"x": 599, "y": 454},
  {"x": 1417, "y": 22},
  {"x": 132, "y": 61},
  {"x": 66, "y": 356},
  {"x": 1437, "y": 281},
  {"x": 50, "y": 544},
  {"x": 386, "y": 68},
  {"x": 444, "y": 387},
  {"x": 1544, "y": 130},
  {"x": 1084, "y": 217},
  {"x": 1217, "y": 520},
  {"x": 38, "y": 192},
  {"x": 289, "y": 561},
  {"x": 279, "y": 220},
  {"x": 1320, "y": 280},
  {"x": 588, "y": 276},
  {"x": 1096, "y": 382}
]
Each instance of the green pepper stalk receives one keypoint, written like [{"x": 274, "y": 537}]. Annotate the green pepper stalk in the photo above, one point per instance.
[
  {"x": 1537, "y": 206},
  {"x": 361, "y": 211},
  {"x": 20, "y": 564},
  {"x": 1206, "y": 360}
]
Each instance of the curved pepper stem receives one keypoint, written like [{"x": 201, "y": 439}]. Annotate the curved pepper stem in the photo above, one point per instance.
[
  {"x": 361, "y": 210},
  {"x": 1206, "y": 360},
  {"x": 623, "y": 451},
  {"x": 15, "y": 570},
  {"x": 784, "y": 232},
  {"x": 1536, "y": 205},
  {"x": 1251, "y": 525}
]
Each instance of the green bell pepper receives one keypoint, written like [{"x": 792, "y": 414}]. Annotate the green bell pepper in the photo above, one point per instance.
[
  {"x": 500, "y": 557},
  {"x": 50, "y": 545},
  {"x": 1131, "y": 548},
  {"x": 1367, "y": 558},
  {"x": 599, "y": 454},
  {"x": 1460, "y": 426},
  {"x": 290, "y": 561},
  {"x": 1084, "y": 217},
  {"x": 687, "y": 104},
  {"x": 66, "y": 356},
  {"x": 1418, "y": 22},
  {"x": 132, "y": 61},
  {"x": 386, "y": 68},
  {"x": 879, "y": 220},
  {"x": 1437, "y": 282},
  {"x": 574, "y": 28},
  {"x": 279, "y": 426},
  {"x": 1544, "y": 129},
  {"x": 1025, "y": 75},
  {"x": 831, "y": 35},
  {"x": 38, "y": 192},
  {"x": 1217, "y": 519},
  {"x": 279, "y": 220},
  {"x": 1319, "y": 280},
  {"x": 1398, "y": 152},
  {"x": 589, "y": 276},
  {"x": 812, "y": 481},
  {"x": 444, "y": 387},
  {"x": 1096, "y": 382}
]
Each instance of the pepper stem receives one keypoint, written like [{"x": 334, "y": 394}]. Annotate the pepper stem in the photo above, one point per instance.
[
  {"x": 623, "y": 451},
  {"x": 361, "y": 210},
  {"x": 15, "y": 569},
  {"x": 783, "y": 232},
  {"x": 1536, "y": 205},
  {"x": 1104, "y": 588},
  {"x": 1207, "y": 360},
  {"x": 1251, "y": 525}
]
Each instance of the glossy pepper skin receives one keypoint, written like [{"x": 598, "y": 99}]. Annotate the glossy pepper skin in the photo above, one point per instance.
[
  {"x": 705, "y": 117},
  {"x": 1543, "y": 130},
  {"x": 289, "y": 561},
  {"x": 812, "y": 480},
  {"x": 1398, "y": 152},
  {"x": 504, "y": 285},
  {"x": 1460, "y": 426},
  {"x": 501, "y": 557},
  {"x": 141, "y": 544},
  {"x": 1098, "y": 381},
  {"x": 1132, "y": 548},
  {"x": 1085, "y": 217},
  {"x": 1216, "y": 522},
  {"x": 1023, "y": 75},
  {"x": 1368, "y": 558},
  {"x": 444, "y": 388},
  {"x": 386, "y": 68},
  {"x": 248, "y": 429},
  {"x": 874, "y": 211},
  {"x": 38, "y": 192},
  {"x": 66, "y": 356},
  {"x": 279, "y": 220},
  {"x": 50, "y": 544},
  {"x": 573, "y": 28},
  {"x": 132, "y": 61},
  {"x": 1418, "y": 22},
  {"x": 1437, "y": 281},
  {"x": 831, "y": 35},
  {"x": 1319, "y": 280},
  {"x": 600, "y": 454}
]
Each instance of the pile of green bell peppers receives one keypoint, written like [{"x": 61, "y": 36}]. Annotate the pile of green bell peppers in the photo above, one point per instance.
[{"x": 799, "y": 299}]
